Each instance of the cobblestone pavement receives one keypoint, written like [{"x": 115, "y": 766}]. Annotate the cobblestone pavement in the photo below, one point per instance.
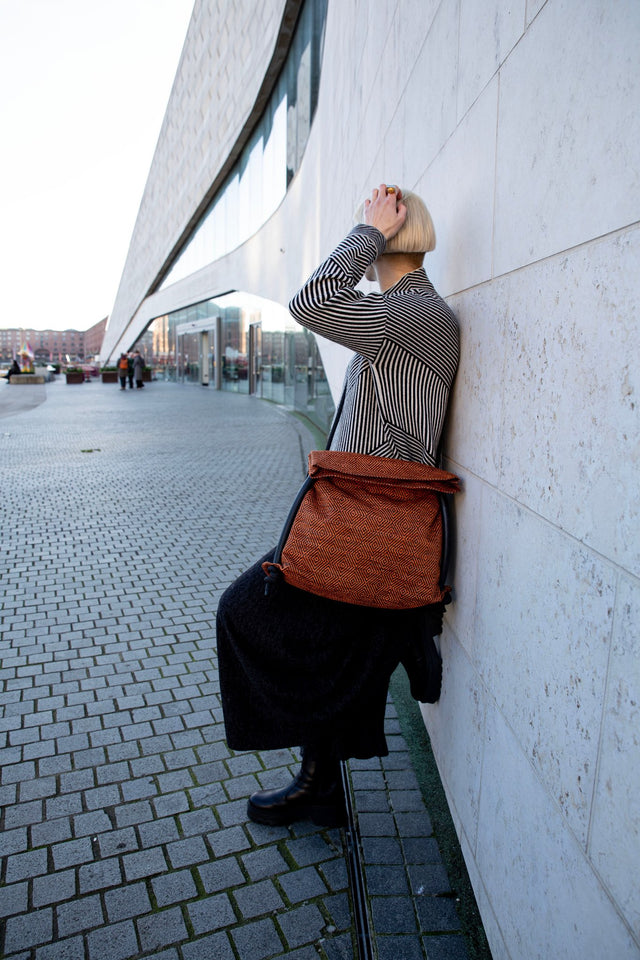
[{"x": 124, "y": 832}]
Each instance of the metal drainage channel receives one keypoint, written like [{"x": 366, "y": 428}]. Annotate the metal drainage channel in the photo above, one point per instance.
[{"x": 356, "y": 874}]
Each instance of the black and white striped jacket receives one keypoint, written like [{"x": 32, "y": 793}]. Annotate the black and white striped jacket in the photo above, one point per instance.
[{"x": 406, "y": 344}]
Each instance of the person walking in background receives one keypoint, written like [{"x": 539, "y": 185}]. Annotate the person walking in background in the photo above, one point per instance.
[
  {"x": 297, "y": 669},
  {"x": 138, "y": 367},
  {"x": 123, "y": 370}
]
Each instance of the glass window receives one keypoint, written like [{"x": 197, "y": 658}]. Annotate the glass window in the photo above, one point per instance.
[
  {"x": 254, "y": 345},
  {"x": 270, "y": 159}
]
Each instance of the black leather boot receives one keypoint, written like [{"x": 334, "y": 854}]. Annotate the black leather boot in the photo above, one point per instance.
[{"x": 315, "y": 794}]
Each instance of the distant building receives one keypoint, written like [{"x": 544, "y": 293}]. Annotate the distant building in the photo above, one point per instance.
[
  {"x": 93, "y": 338},
  {"x": 52, "y": 346}
]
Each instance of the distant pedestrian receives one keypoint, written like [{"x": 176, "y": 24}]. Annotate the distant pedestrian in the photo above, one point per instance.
[
  {"x": 138, "y": 367},
  {"x": 13, "y": 369},
  {"x": 123, "y": 370}
]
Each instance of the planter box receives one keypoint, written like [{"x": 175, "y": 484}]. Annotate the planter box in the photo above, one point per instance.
[
  {"x": 109, "y": 376},
  {"x": 146, "y": 375},
  {"x": 75, "y": 377}
]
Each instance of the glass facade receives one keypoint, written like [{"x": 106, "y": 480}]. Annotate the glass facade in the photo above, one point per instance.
[
  {"x": 259, "y": 180},
  {"x": 243, "y": 344},
  {"x": 239, "y": 342}
]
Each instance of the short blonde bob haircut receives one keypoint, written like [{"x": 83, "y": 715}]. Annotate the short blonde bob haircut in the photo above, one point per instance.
[{"x": 417, "y": 234}]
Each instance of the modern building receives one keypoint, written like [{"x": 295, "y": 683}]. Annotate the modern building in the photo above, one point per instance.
[{"x": 517, "y": 121}]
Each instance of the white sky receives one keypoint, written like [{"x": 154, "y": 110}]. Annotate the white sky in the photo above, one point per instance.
[{"x": 83, "y": 89}]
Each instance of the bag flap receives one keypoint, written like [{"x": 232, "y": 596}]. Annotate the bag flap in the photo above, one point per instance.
[{"x": 336, "y": 463}]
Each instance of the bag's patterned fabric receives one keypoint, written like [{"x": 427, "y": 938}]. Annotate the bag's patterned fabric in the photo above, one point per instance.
[{"x": 368, "y": 531}]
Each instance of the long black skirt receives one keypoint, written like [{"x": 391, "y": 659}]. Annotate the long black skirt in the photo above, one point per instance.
[{"x": 298, "y": 669}]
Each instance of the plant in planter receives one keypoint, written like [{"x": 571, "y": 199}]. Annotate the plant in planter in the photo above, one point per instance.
[
  {"x": 74, "y": 375},
  {"x": 146, "y": 374},
  {"x": 109, "y": 374}
]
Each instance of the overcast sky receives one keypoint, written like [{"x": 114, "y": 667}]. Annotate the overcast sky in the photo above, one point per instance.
[{"x": 84, "y": 85}]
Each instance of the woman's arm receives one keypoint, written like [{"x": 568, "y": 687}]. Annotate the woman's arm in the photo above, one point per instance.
[{"x": 329, "y": 304}]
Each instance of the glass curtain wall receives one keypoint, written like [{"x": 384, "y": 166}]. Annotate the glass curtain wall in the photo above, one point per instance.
[
  {"x": 238, "y": 342},
  {"x": 257, "y": 184},
  {"x": 250, "y": 345}
]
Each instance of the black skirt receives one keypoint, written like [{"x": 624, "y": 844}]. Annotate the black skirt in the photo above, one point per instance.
[{"x": 298, "y": 669}]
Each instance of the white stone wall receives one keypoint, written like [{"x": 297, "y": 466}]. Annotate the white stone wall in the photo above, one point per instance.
[{"x": 517, "y": 121}]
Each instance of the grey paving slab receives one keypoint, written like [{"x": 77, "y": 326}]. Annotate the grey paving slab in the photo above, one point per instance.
[{"x": 123, "y": 811}]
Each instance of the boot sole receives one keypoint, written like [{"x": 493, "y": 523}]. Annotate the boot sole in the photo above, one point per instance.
[{"x": 322, "y": 816}]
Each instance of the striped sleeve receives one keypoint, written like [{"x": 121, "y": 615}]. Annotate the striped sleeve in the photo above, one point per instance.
[{"x": 329, "y": 305}]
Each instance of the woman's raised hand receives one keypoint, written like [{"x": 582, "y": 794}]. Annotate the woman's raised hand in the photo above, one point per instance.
[{"x": 385, "y": 210}]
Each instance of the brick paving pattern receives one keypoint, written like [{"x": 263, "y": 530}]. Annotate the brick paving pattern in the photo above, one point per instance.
[{"x": 124, "y": 831}]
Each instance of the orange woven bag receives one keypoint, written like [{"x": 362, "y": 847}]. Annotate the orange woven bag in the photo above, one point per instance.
[{"x": 366, "y": 530}]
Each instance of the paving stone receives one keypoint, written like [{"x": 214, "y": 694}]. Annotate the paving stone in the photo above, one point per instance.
[
  {"x": 71, "y": 949},
  {"x": 99, "y": 875},
  {"x": 207, "y": 948},
  {"x": 211, "y": 914},
  {"x": 382, "y": 850},
  {"x": 421, "y": 850},
  {"x": 387, "y": 880},
  {"x": 301, "y": 925},
  {"x": 302, "y": 884},
  {"x": 414, "y": 824},
  {"x": 340, "y": 948},
  {"x": 126, "y": 902},
  {"x": 117, "y": 941},
  {"x": 437, "y": 914},
  {"x": 258, "y": 898},
  {"x": 311, "y": 849},
  {"x": 165, "y": 806},
  {"x": 339, "y": 907},
  {"x": 174, "y": 888},
  {"x": 377, "y": 825},
  {"x": 161, "y": 929},
  {"x": 54, "y": 888},
  {"x": 133, "y": 813},
  {"x": 221, "y": 875},
  {"x": 257, "y": 940},
  {"x": 335, "y": 873},
  {"x": 428, "y": 879},
  {"x": 23, "y": 866},
  {"x": 446, "y": 948},
  {"x": 117, "y": 842},
  {"x": 230, "y": 840},
  {"x": 406, "y": 800},
  {"x": 71, "y": 853},
  {"x": 187, "y": 852},
  {"x": 22, "y": 814},
  {"x": 264, "y": 863},
  {"x": 160, "y": 831},
  {"x": 13, "y": 841},
  {"x": 393, "y": 915},
  {"x": 13, "y": 899},
  {"x": 399, "y": 948},
  {"x": 79, "y": 915},
  {"x": 33, "y": 928}
]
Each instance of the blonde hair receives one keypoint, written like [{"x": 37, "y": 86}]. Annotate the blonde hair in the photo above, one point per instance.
[{"x": 417, "y": 234}]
